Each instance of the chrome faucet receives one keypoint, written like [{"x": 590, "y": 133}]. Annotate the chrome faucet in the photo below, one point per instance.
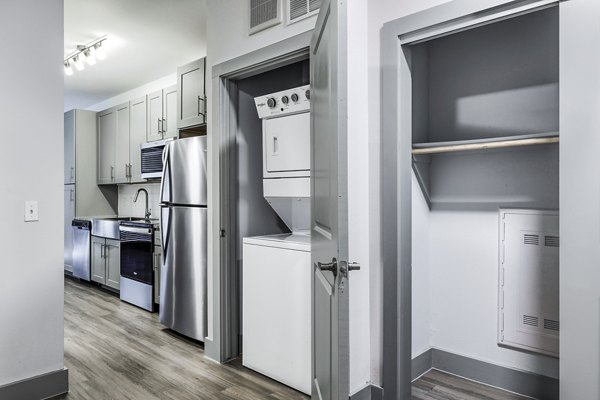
[{"x": 148, "y": 211}]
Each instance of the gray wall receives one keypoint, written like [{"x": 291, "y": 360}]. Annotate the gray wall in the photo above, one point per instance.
[
  {"x": 31, "y": 288},
  {"x": 580, "y": 200},
  {"x": 497, "y": 80}
]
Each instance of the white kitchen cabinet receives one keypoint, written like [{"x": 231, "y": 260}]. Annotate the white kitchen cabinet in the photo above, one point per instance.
[
  {"x": 162, "y": 114},
  {"x": 98, "y": 263},
  {"x": 137, "y": 135},
  {"x": 69, "y": 148},
  {"x": 121, "y": 150},
  {"x": 107, "y": 142},
  {"x": 69, "y": 214},
  {"x": 106, "y": 261},
  {"x": 192, "y": 97}
]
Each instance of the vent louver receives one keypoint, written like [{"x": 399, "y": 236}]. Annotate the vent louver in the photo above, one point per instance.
[
  {"x": 314, "y": 5},
  {"x": 530, "y": 320},
  {"x": 551, "y": 325},
  {"x": 531, "y": 239},
  {"x": 300, "y": 9},
  {"x": 263, "y": 14},
  {"x": 551, "y": 241}
]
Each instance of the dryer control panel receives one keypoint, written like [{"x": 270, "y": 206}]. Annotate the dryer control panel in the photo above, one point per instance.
[{"x": 291, "y": 101}]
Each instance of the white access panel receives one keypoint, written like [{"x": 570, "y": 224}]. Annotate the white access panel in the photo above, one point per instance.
[
  {"x": 286, "y": 146},
  {"x": 276, "y": 302},
  {"x": 528, "y": 303}
]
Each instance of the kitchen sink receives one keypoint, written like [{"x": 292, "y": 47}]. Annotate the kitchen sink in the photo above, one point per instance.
[{"x": 109, "y": 227}]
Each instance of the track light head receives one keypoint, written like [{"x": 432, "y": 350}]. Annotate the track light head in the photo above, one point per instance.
[
  {"x": 68, "y": 68},
  {"x": 78, "y": 62}
]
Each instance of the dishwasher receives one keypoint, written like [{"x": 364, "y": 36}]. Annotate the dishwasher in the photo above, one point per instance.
[{"x": 81, "y": 248}]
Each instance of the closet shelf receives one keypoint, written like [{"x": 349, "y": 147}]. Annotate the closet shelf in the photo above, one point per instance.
[{"x": 485, "y": 144}]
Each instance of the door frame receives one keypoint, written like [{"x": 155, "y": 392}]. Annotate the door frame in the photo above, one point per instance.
[
  {"x": 222, "y": 343},
  {"x": 396, "y": 143}
]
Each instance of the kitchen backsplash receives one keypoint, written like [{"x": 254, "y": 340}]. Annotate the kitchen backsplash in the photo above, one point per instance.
[{"x": 127, "y": 208}]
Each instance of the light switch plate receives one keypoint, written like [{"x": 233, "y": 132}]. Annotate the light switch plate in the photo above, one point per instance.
[{"x": 31, "y": 211}]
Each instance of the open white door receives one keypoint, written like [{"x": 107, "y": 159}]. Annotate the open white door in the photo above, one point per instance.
[{"x": 329, "y": 222}]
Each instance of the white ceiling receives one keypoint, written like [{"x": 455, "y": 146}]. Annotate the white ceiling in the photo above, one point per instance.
[{"x": 147, "y": 40}]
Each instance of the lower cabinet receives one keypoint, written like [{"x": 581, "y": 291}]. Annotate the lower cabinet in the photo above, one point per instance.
[
  {"x": 157, "y": 264},
  {"x": 106, "y": 261},
  {"x": 69, "y": 214}
]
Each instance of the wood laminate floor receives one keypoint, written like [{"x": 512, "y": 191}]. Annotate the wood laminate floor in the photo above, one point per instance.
[{"x": 114, "y": 350}]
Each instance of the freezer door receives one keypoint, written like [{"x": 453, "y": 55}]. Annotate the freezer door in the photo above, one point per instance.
[
  {"x": 183, "y": 273},
  {"x": 184, "y": 173}
]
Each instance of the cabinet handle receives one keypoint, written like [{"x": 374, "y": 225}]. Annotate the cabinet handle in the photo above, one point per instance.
[
  {"x": 164, "y": 122},
  {"x": 158, "y": 126},
  {"x": 202, "y": 99},
  {"x": 72, "y": 195},
  {"x": 101, "y": 251},
  {"x": 112, "y": 172},
  {"x": 72, "y": 173}
]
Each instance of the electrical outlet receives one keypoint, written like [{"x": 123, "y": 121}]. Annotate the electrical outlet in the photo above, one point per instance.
[{"x": 31, "y": 211}]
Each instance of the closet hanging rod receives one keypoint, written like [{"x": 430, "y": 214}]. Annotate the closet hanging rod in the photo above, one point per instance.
[{"x": 485, "y": 144}]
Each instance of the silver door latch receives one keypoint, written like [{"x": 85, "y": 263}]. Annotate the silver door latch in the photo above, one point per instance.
[{"x": 346, "y": 267}]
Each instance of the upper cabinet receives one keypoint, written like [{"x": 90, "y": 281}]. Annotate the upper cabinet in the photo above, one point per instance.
[
  {"x": 137, "y": 135},
  {"x": 69, "y": 143},
  {"x": 162, "y": 114},
  {"x": 115, "y": 164},
  {"x": 192, "y": 98}
]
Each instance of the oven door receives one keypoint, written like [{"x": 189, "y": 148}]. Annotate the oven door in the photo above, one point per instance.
[{"x": 137, "y": 261}]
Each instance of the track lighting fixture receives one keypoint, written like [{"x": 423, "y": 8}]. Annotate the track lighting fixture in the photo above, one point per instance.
[{"x": 85, "y": 54}]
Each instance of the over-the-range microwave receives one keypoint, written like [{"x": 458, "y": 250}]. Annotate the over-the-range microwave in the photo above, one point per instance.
[{"x": 152, "y": 158}]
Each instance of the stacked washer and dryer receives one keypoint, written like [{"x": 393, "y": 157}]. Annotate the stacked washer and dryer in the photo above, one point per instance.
[{"x": 276, "y": 297}]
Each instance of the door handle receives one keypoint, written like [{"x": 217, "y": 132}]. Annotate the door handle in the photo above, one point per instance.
[{"x": 332, "y": 266}]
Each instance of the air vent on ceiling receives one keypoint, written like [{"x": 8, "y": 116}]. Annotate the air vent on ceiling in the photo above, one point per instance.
[
  {"x": 551, "y": 241},
  {"x": 264, "y": 14},
  {"x": 551, "y": 324},
  {"x": 531, "y": 239},
  {"x": 300, "y": 9},
  {"x": 530, "y": 320}
]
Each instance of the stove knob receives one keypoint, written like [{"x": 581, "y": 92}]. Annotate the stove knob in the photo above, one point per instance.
[
  {"x": 307, "y": 94},
  {"x": 285, "y": 99},
  {"x": 271, "y": 102},
  {"x": 295, "y": 98}
]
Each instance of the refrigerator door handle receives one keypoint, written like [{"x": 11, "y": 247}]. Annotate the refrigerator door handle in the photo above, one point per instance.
[
  {"x": 166, "y": 176},
  {"x": 165, "y": 228}
]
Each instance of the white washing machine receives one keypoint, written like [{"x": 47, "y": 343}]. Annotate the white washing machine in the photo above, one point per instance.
[
  {"x": 276, "y": 299},
  {"x": 276, "y": 308}
]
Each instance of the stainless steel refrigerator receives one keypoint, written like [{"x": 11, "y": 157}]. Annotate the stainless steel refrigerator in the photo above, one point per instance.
[{"x": 183, "y": 227}]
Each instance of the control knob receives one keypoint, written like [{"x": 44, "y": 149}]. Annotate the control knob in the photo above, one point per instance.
[
  {"x": 271, "y": 102},
  {"x": 307, "y": 94},
  {"x": 285, "y": 99},
  {"x": 295, "y": 97}
]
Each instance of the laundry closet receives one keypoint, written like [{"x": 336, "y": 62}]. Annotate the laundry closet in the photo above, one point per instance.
[
  {"x": 485, "y": 194},
  {"x": 271, "y": 214}
]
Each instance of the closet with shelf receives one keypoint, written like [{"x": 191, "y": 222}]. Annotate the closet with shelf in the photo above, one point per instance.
[{"x": 485, "y": 134}]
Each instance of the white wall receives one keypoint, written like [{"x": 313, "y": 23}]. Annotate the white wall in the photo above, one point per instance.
[
  {"x": 135, "y": 93},
  {"x": 579, "y": 200},
  {"x": 31, "y": 288},
  {"x": 127, "y": 208},
  {"x": 358, "y": 196},
  {"x": 380, "y": 12}
]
